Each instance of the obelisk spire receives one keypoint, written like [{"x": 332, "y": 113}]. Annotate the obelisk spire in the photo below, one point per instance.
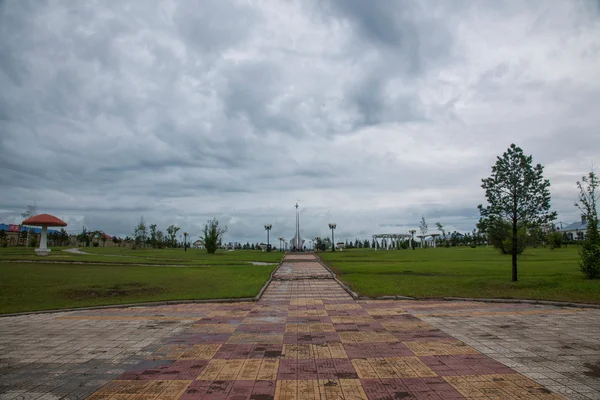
[{"x": 298, "y": 245}]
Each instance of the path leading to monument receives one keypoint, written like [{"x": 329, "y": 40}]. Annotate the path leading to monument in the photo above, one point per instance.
[{"x": 305, "y": 339}]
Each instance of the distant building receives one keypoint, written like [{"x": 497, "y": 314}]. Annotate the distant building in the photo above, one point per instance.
[
  {"x": 13, "y": 232},
  {"x": 198, "y": 244},
  {"x": 576, "y": 230}
]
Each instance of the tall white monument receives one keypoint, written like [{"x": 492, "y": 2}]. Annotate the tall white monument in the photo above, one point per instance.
[{"x": 297, "y": 242}]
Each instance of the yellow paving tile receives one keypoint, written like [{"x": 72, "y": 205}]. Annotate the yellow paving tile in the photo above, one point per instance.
[
  {"x": 214, "y": 328},
  {"x": 382, "y": 337},
  {"x": 201, "y": 352},
  {"x": 308, "y": 313},
  {"x": 321, "y": 351},
  {"x": 268, "y": 369},
  {"x": 364, "y": 369},
  {"x": 263, "y": 338},
  {"x": 154, "y": 388},
  {"x": 99, "y": 396},
  {"x": 343, "y": 306},
  {"x": 363, "y": 319},
  {"x": 170, "y": 352},
  {"x": 113, "y": 387},
  {"x": 331, "y": 390},
  {"x": 306, "y": 302},
  {"x": 410, "y": 367},
  {"x": 250, "y": 369},
  {"x": 175, "y": 389},
  {"x": 439, "y": 348},
  {"x": 286, "y": 390},
  {"x": 212, "y": 370},
  {"x": 134, "y": 387},
  {"x": 501, "y": 386},
  {"x": 308, "y": 390},
  {"x": 382, "y": 368},
  {"x": 329, "y": 350},
  {"x": 337, "y": 350},
  {"x": 230, "y": 370},
  {"x": 352, "y": 389},
  {"x": 364, "y": 337},
  {"x": 309, "y": 327}
]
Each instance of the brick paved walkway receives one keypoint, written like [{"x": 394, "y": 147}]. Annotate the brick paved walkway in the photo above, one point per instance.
[{"x": 305, "y": 339}]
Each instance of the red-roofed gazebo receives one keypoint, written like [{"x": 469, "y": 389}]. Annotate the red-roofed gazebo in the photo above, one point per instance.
[{"x": 44, "y": 220}]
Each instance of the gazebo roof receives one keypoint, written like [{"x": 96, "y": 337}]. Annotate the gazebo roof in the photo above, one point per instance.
[{"x": 44, "y": 220}]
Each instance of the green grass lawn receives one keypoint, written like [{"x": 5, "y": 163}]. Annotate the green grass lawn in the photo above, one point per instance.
[
  {"x": 464, "y": 272},
  {"x": 120, "y": 255},
  {"x": 30, "y": 286}
]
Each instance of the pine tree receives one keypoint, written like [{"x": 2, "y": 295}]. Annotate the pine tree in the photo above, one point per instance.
[{"x": 518, "y": 194}]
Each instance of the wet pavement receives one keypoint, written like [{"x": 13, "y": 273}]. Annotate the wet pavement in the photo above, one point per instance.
[{"x": 305, "y": 339}]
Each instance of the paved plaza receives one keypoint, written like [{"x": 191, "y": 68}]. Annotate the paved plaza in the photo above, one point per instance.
[{"x": 306, "y": 338}]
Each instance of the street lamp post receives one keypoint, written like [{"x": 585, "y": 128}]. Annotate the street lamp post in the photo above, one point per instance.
[
  {"x": 281, "y": 242},
  {"x": 185, "y": 234},
  {"x": 268, "y": 228},
  {"x": 332, "y": 226}
]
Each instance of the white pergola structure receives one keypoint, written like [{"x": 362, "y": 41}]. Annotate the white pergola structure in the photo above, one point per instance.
[
  {"x": 434, "y": 236},
  {"x": 390, "y": 240}
]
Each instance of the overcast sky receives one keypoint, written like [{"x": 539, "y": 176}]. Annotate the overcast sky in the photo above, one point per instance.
[{"x": 369, "y": 114}]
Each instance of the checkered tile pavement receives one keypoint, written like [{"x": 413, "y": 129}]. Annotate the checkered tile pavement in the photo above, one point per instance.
[{"x": 307, "y": 339}]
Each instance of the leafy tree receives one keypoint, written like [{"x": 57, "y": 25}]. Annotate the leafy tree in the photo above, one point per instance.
[
  {"x": 153, "y": 235},
  {"x": 516, "y": 193},
  {"x": 30, "y": 211},
  {"x": 63, "y": 237},
  {"x": 160, "y": 239},
  {"x": 423, "y": 229},
  {"x": 32, "y": 240},
  {"x": 212, "y": 235},
  {"x": 3, "y": 241},
  {"x": 587, "y": 204},
  {"x": 141, "y": 232},
  {"x": 440, "y": 228},
  {"x": 84, "y": 237},
  {"x": 172, "y": 233}
]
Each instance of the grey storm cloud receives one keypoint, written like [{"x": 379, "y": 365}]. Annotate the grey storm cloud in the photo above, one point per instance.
[{"x": 369, "y": 114}]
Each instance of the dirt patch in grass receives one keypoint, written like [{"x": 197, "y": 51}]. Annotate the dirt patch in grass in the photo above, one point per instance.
[{"x": 118, "y": 290}]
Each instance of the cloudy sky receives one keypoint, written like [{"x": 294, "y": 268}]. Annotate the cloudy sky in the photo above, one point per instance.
[{"x": 369, "y": 114}]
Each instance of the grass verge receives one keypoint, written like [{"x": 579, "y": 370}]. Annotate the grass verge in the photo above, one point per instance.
[
  {"x": 464, "y": 272},
  {"x": 34, "y": 287}
]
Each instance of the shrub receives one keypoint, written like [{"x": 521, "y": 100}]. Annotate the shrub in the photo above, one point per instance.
[
  {"x": 555, "y": 240},
  {"x": 590, "y": 250},
  {"x": 590, "y": 259},
  {"x": 32, "y": 240}
]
